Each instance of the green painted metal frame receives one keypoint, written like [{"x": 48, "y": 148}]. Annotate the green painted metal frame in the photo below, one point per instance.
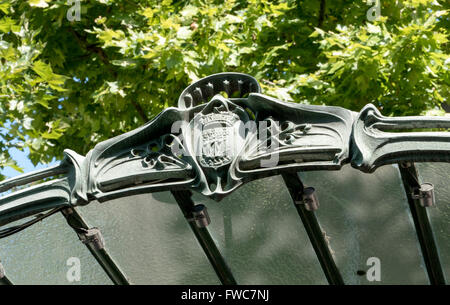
[{"x": 181, "y": 150}]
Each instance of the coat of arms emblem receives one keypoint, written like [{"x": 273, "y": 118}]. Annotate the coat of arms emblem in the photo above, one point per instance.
[{"x": 217, "y": 139}]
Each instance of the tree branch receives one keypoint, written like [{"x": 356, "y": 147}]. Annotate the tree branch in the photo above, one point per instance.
[
  {"x": 140, "y": 111},
  {"x": 94, "y": 49},
  {"x": 321, "y": 13}
]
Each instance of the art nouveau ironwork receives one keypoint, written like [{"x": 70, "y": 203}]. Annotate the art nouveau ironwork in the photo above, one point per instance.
[{"x": 223, "y": 134}]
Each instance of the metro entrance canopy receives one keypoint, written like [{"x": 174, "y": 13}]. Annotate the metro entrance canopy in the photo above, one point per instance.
[{"x": 223, "y": 134}]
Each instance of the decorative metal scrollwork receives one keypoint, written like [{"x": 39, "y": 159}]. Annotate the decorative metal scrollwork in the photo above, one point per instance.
[{"x": 224, "y": 133}]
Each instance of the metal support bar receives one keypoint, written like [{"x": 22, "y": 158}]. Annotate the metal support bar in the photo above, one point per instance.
[
  {"x": 216, "y": 259},
  {"x": 312, "y": 227},
  {"x": 5, "y": 281},
  {"x": 422, "y": 224},
  {"x": 3, "y": 278},
  {"x": 93, "y": 240}
]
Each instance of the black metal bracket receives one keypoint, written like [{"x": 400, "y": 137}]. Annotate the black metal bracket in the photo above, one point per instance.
[
  {"x": 94, "y": 237},
  {"x": 419, "y": 197},
  {"x": 200, "y": 216},
  {"x": 312, "y": 227},
  {"x": 94, "y": 241},
  {"x": 198, "y": 225},
  {"x": 425, "y": 194}
]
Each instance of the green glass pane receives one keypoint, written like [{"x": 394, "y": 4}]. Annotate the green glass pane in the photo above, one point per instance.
[
  {"x": 439, "y": 175},
  {"x": 45, "y": 253},
  {"x": 149, "y": 238},
  {"x": 364, "y": 216},
  {"x": 261, "y": 235}
]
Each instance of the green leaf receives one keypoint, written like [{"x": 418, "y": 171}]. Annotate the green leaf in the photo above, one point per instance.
[
  {"x": 7, "y": 24},
  {"x": 43, "y": 70},
  {"x": 4, "y": 7},
  {"x": 184, "y": 32},
  {"x": 13, "y": 165},
  {"x": 38, "y": 3},
  {"x": 27, "y": 123}
]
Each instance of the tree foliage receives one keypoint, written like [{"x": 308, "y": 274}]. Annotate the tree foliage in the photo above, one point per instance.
[{"x": 74, "y": 83}]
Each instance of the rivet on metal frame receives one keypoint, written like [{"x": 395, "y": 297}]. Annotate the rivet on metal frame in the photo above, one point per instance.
[
  {"x": 310, "y": 199},
  {"x": 425, "y": 194},
  {"x": 201, "y": 217},
  {"x": 405, "y": 164}
]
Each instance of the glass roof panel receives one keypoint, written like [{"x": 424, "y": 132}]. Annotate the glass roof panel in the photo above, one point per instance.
[
  {"x": 150, "y": 240},
  {"x": 256, "y": 228},
  {"x": 41, "y": 254},
  {"x": 261, "y": 236},
  {"x": 367, "y": 215}
]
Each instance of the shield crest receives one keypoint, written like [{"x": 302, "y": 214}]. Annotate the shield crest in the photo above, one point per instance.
[
  {"x": 216, "y": 135},
  {"x": 217, "y": 139}
]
